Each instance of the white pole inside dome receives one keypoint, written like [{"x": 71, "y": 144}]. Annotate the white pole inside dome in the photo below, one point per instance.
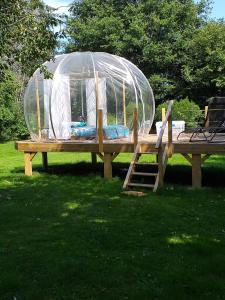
[
  {"x": 82, "y": 98},
  {"x": 38, "y": 108},
  {"x": 52, "y": 133},
  {"x": 114, "y": 89},
  {"x": 61, "y": 108},
  {"x": 143, "y": 105},
  {"x": 124, "y": 105},
  {"x": 93, "y": 63},
  {"x": 100, "y": 96},
  {"x": 128, "y": 71}
]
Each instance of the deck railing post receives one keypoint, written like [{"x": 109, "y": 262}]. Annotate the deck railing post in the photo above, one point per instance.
[
  {"x": 100, "y": 130},
  {"x": 206, "y": 111},
  {"x": 135, "y": 128},
  {"x": 170, "y": 135},
  {"x": 163, "y": 113}
]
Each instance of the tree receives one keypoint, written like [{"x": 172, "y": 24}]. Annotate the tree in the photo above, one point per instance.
[
  {"x": 26, "y": 34},
  {"x": 27, "y": 40},
  {"x": 153, "y": 34},
  {"x": 12, "y": 124},
  {"x": 205, "y": 68}
]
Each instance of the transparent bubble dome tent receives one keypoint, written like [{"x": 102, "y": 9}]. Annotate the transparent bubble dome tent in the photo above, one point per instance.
[{"x": 83, "y": 84}]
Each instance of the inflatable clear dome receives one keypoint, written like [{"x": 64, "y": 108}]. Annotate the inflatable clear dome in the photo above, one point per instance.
[{"x": 66, "y": 106}]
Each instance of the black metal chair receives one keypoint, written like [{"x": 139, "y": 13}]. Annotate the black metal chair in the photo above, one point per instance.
[{"x": 213, "y": 124}]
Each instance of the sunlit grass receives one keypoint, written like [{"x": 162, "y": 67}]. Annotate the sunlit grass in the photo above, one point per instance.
[{"x": 69, "y": 234}]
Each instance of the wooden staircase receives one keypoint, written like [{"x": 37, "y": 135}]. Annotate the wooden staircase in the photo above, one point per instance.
[
  {"x": 153, "y": 171},
  {"x": 145, "y": 175}
]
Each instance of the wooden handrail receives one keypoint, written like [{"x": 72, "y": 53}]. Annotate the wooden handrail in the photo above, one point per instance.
[
  {"x": 167, "y": 118},
  {"x": 100, "y": 130}
]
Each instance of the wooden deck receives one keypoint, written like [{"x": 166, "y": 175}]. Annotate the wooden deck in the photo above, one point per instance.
[
  {"x": 124, "y": 145},
  {"x": 195, "y": 152}
]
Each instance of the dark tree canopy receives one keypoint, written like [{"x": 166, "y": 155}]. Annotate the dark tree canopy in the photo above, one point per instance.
[{"x": 161, "y": 37}]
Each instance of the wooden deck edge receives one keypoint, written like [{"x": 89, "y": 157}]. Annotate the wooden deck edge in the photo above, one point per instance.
[{"x": 124, "y": 147}]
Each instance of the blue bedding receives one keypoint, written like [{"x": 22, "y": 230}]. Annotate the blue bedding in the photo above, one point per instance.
[{"x": 110, "y": 132}]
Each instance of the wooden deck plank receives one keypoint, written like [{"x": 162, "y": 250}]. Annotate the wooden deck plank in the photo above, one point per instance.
[{"x": 147, "y": 144}]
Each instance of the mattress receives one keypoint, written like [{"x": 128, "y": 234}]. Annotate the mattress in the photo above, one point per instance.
[{"x": 110, "y": 132}]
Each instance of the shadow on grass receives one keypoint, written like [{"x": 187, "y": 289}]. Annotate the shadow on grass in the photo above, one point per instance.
[
  {"x": 212, "y": 173},
  {"x": 78, "y": 237}
]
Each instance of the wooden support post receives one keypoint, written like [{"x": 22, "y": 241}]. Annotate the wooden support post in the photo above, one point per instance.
[
  {"x": 163, "y": 113},
  {"x": 38, "y": 108},
  {"x": 100, "y": 130},
  {"x": 196, "y": 171},
  {"x": 93, "y": 158},
  {"x": 170, "y": 136},
  {"x": 135, "y": 128},
  {"x": 124, "y": 105},
  {"x": 28, "y": 163},
  {"x": 206, "y": 111},
  {"x": 107, "y": 166},
  {"x": 160, "y": 168},
  {"x": 45, "y": 160}
]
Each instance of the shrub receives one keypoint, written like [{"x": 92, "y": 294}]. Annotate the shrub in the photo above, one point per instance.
[
  {"x": 184, "y": 110},
  {"x": 12, "y": 125}
]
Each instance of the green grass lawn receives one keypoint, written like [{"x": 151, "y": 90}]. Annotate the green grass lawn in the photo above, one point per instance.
[{"x": 69, "y": 234}]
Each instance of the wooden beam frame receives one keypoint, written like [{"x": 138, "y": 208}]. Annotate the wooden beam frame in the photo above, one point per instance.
[
  {"x": 45, "y": 160},
  {"x": 107, "y": 166},
  {"x": 196, "y": 171},
  {"x": 205, "y": 157},
  {"x": 187, "y": 157},
  {"x": 107, "y": 159},
  {"x": 28, "y": 156},
  {"x": 93, "y": 158}
]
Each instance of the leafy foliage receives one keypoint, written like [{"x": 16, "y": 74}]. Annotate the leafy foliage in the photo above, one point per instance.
[
  {"x": 27, "y": 38},
  {"x": 154, "y": 34},
  {"x": 184, "y": 109},
  {"x": 12, "y": 123},
  {"x": 205, "y": 70}
]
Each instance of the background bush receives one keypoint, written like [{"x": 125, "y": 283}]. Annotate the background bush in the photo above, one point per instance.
[
  {"x": 184, "y": 110},
  {"x": 12, "y": 124}
]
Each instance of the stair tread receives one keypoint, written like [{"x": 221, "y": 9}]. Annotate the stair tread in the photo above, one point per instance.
[
  {"x": 144, "y": 174},
  {"x": 148, "y": 152},
  {"x": 147, "y": 164},
  {"x": 141, "y": 184}
]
